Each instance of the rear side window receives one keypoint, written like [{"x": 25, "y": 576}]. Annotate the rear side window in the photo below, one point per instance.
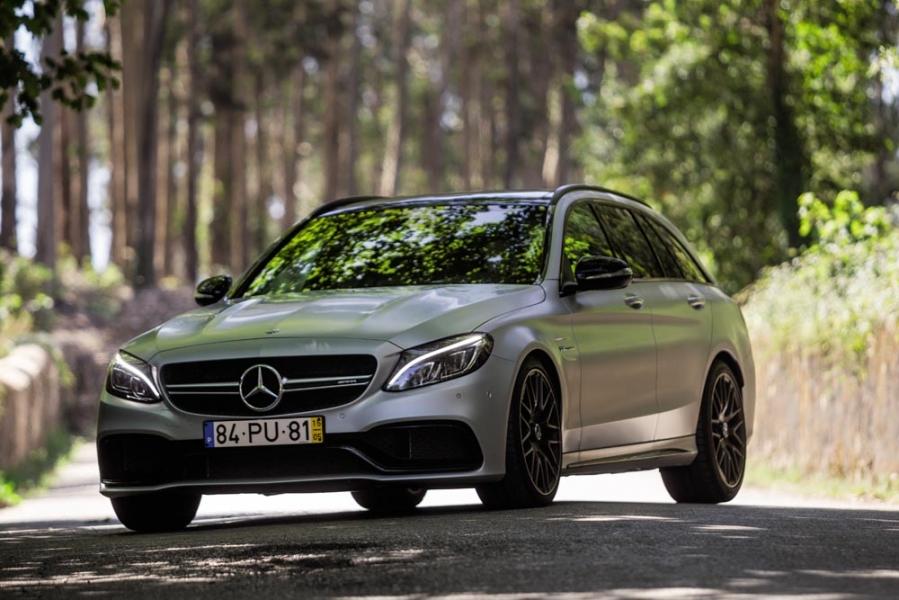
[
  {"x": 630, "y": 242},
  {"x": 583, "y": 235},
  {"x": 664, "y": 253},
  {"x": 685, "y": 261}
]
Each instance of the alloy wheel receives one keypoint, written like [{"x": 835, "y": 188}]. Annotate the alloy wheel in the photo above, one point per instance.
[
  {"x": 540, "y": 431},
  {"x": 728, "y": 430}
]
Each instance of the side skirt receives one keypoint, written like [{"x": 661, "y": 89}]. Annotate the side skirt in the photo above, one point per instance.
[{"x": 672, "y": 452}]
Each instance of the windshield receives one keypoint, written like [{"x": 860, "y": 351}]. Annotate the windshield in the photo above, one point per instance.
[{"x": 483, "y": 242}]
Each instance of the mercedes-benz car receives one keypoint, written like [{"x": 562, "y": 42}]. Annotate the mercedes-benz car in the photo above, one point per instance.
[{"x": 387, "y": 346}]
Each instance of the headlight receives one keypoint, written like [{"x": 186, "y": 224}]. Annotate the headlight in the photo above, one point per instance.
[
  {"x": 441, "y": 360},
  {"x": 131, "y": 378}
]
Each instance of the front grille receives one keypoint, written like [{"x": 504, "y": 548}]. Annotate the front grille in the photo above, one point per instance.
[
  {"x": 407, "y": 448},
  {"x": 309, "y": 383}
]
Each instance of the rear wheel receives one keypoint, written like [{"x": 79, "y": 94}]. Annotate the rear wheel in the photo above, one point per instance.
[
  {"x": 533, "y": 443},
  {"x": 389, "y": 500},
  {"x": 163, "y": 511},
  {"x": 717, "y": 473}
]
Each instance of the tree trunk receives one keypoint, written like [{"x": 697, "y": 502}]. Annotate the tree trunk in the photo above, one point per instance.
[
  {"x": 352, "y": 117},
  {"x": 393, "y": 153},
  {"x": 227, "y": 87},
  {"x": 537, "y": 82},
  {"x": 433, "y": 151},
  {"x": 789, "y": 158},
  {"x": 134, "y": 89},
  {"x": 8, "y": 203},
  {"x": 194, "y": 149},
  {"x": 293, "y": 132},
  {"x": 154, "y": 25},
  {"x": 511, "y": 24},
  {"x": 221, "y": 195},
  {"x": 558, "y": 157},
  {"x": 331, "y": 126},
  {"x": 240, "y": 231},
  {"x": 264, "y": 188},
  {"x": 46, "y": 198},
  {"x": 469, "y": 76},
  {"x": 488, "y": 126},
  {"x": 116, "y": 192},
  {"x": 83, "y": 249},
  {"x": 68, "y": 212},
  {"x": 171, "y": 237}
]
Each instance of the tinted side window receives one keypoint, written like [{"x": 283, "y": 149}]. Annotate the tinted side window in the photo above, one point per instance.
[
  {"x": 630, "y": 242},
  {"x": 686, "y": 263},
  {"x": 583, "y": 235},
  {"x": 663, "y": 250}
]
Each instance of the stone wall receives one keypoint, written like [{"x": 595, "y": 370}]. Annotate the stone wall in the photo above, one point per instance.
[
  {"x": 823, "y": 415},
  {"x": 30, "y": 402}
]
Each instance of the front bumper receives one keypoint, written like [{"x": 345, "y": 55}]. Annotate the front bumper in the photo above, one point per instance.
[{"x": 446, "y": 435}]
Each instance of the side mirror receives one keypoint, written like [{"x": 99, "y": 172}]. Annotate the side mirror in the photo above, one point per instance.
[
  {"x": 602, "y": 273},
  {"x": 210, "y": 291}
]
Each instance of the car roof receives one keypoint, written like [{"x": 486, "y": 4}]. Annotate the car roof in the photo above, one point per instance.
[
  {"x": 524, "y": 196},
  {"x": 361, "y": 202}
]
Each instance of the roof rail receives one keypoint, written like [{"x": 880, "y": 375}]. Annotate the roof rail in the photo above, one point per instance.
[
  {"x": 575, "y": 187},
  {"x": 322, "y": 208}
]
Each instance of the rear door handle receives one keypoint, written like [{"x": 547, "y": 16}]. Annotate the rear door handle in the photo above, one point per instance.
[
  {"x": 696, "y": 301},
  {"x": 634, "y": 301}
]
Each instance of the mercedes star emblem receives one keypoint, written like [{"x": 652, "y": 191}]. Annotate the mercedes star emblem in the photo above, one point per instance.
[{"x": 261, "y": 387}]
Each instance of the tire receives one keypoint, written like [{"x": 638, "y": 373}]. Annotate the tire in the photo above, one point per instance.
[
  {"x": 533, "y": 443},
  {"x": 389, "y": 500},
  {"x": 716, "y": 474},
  {"x": 158, "y": 512}
]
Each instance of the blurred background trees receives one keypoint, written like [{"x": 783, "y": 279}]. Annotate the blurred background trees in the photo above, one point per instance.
[{"x": 235, "y": 118}]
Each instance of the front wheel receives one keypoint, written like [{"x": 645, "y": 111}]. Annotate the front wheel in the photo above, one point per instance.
[
  {"x": 533, "y": 443},
  {"x": 717, "y": 473},
  {"x": 389, "y": 500},
  {"x": 157, "y": 512}
]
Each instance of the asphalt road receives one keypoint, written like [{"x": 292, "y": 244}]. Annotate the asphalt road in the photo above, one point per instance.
[{"x": 607, "y": 536}]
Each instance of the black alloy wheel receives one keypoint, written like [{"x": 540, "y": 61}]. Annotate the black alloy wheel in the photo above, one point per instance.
[
  {"x": 533, "y": 443},
  {"x": 716, "y": 473}
]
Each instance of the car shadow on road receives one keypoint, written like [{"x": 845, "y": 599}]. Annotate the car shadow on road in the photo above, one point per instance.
[{"x": 578, "y": 549}]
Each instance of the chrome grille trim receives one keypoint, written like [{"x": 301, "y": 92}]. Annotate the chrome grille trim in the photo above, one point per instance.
[
  {"x": 347, "y": 378},
  {"x": 309, "y": 383},
  {"x": 201, "y": 385}
]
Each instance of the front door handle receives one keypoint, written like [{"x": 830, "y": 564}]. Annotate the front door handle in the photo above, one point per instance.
[
  {"x": 696, "y": 301},
  {"x": 634, "y": 301}
]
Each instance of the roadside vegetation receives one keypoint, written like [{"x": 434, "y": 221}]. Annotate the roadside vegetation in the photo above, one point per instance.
[
  {"x": 36, "y": 471},
  {"x": 826, "y": 343}
]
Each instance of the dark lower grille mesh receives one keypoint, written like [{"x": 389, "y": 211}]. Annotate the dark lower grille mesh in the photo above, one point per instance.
[
  {"x": 141, "y": 459},
  {"x": 215, "y": 383}
]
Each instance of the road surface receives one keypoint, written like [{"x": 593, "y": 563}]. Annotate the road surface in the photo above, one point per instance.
[{"x": 606, "y": 536}]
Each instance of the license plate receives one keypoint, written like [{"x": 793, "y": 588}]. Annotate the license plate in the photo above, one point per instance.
[{"x": 263, "y": 432}]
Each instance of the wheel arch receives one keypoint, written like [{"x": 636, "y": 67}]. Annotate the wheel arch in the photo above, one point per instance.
[
  {"x": 730, "y": 360},
  {"x": 546, "y": 360}
]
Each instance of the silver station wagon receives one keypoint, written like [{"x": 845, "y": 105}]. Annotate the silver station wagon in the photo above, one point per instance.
[{"x": 386, "y": 346}]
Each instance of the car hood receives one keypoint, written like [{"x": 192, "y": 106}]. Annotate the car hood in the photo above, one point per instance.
[{"x": 405, "y": 316}]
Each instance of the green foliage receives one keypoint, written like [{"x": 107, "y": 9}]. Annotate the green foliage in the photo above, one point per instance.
[
  {"x": 848, "y": 221},
  {"x": 874, "y": 486},
  {"x": 686, "y": 115},
  {"x": 30, "y": 295},
  {"x": 841, "y": 290},
  {"x": 35, "y": 471},
  {"x": 25, "y": 300},
  {"x": 70, "y": 77}
]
